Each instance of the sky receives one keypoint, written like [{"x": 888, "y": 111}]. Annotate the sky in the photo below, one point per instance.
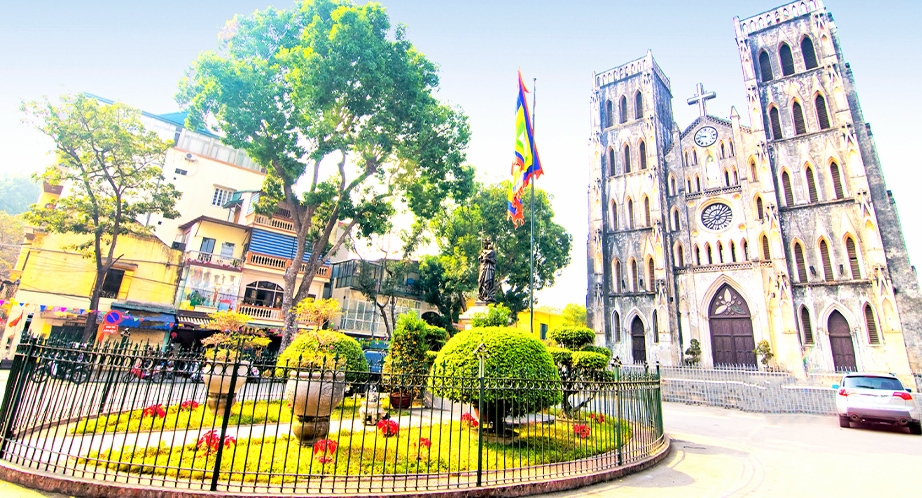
[{"x": 136, "y": 52}]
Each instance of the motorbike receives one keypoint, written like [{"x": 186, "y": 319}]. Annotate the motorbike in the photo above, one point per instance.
[
  {"x": 63, "y": 366},
  {"x": 142, "y": 370}
]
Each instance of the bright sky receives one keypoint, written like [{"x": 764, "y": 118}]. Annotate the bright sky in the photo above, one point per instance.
[{"x": 136, "y": 52}]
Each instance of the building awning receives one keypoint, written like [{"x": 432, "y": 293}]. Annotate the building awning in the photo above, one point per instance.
[
  {"x": 140, "y": 315},
  {"x": 195, "y": 320}
]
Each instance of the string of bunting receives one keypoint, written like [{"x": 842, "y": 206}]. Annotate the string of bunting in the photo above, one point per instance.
[{"x": 72, "y": 311}]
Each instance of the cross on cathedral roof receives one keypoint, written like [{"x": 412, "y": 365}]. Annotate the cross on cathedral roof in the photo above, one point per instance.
[{"x": 701, "y": 98}]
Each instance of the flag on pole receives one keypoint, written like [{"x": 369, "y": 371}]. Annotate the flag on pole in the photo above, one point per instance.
[{"x": 526, "y": 166}]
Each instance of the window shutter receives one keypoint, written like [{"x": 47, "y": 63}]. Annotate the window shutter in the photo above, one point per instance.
[
  {"x": 643, "y": 155},
  {"x": 760, "y": 209},
  {"x": 786, "y": 186},
  {"x": 853, "y": 258},
  {"x": 806, "y": 48},
  {"x": 827, "y": 263},
  {"x": 811, "y": 186},
  {"x": 650, "y": 274},
  {"x": 873, "y": 336},
  {"x": 787, "y": 60},
  {"x": 638, "y": 106},
  {"x": 616, "y": 278},
  {"x": 634, "y": 280},
  {"x": 807, "y": 326},
  {"x": 614, "y": 215},
  {"x": 627, "y": 158},
  {"x": 623, "y": 109},
  {"x": 799, "y": 127},
  {"x": 765, "y": 66},
  {"x": 681, "y": 255},
  {"x": 836, "y": 181},
  {"x": 766, "y": 250},
  {"x": 822, "y": 114},
  {"x": 646, "y": 210},
  {"x": 630, "y": 214},
  {"x": 801, "y": 263},
  {"x": 775, "y": 121}
]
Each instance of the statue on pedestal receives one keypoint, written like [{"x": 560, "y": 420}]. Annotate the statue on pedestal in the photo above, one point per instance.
[{"x": 486, "y": 281}]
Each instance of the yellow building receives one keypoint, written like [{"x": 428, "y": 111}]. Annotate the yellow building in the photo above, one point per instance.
[{"x": 545, "y": 320}]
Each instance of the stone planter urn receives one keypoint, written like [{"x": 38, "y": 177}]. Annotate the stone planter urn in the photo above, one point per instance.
[
  {"x": 217, "y": 378},
  {"x": 312, "y": 396}
]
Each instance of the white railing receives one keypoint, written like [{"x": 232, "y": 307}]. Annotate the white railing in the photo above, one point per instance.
[
  {"x": 275, "y": 223},
  {"x": 261, "y": 312},
  {"x": 257, "y": 259},
  {"x": 213, "y": 259}
]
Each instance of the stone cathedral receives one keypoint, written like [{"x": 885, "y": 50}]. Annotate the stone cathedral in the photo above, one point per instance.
[{"x": 781, "y": 230}]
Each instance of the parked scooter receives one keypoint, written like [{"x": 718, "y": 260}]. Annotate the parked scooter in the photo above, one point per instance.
[{"x": 65, "y": 366}]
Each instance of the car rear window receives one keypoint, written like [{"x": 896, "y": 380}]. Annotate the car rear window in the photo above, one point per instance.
[{"x": 871, "y": 382}]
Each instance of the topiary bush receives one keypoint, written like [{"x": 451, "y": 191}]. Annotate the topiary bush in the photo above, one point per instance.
[
  {"x": 581, "y": 366},
  {"x": 598, "y": 349},
  {"x": 572, "y": 337},
  {"x": 510, "y": 354},
  {"x": 406, "y": 365},
  {"x": 497, "y": 315},
  {"x": 317, "y": 349}
]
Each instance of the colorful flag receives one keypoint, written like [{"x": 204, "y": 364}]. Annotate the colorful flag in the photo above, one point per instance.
[
  {"x": 527, "y": 165},
  {"x": 16, "y": 321}
]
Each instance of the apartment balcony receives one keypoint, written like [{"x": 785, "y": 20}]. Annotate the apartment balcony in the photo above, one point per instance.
[
  {"x": 257, "y": 312},
  {"x": 215, "y": 260},
  {"x": 262, "y": 261}
]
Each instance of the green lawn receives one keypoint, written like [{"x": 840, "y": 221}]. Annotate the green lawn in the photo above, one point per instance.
[{"x": 453, "y": 449}]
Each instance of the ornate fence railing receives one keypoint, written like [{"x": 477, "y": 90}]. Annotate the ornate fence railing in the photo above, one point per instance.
[{"x": 252, "y": 425}]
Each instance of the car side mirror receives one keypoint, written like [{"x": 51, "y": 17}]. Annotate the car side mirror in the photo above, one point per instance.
[
  {"x": 835, "y": 386},
  {"x": 908, "y": 390}
]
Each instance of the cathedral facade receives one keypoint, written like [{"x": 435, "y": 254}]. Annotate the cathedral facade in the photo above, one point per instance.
[{"x": 781, "y": 230}]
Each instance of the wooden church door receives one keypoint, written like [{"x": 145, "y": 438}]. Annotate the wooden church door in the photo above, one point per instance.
[
  {"x": 840, "y": 341},
  {"x": 732, "y": 341},
  {"x": 638, "y": 341}
]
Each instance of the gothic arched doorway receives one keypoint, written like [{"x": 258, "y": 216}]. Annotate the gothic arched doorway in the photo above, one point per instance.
[
  {"x": 638, "y": 341},
  {"x": 840, "y": 341},
  {"x": 731, "y": 329}
]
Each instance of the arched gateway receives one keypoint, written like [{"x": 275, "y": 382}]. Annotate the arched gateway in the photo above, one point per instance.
[
  {"x": 731, "y": 329},
  {"x": 638, "y": 341},
  {"x": 840, "y": 341}
]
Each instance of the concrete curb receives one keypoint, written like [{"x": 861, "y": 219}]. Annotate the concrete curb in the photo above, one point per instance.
[{"x": 47, "y": 481}]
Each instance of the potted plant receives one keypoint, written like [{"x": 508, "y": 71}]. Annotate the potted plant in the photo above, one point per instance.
[
  {"x": 318, "y": 365},
  {"x": 223, "y": 365}
]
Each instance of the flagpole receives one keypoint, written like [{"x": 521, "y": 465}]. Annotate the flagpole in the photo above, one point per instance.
[{"x": 531, "y": 286}]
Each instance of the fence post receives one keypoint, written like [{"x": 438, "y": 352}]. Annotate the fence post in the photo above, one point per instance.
[
  {"x": 15, "y": 386},
  {"x": 481, "y": 354},
  {"x": 226, "y": 420},
  {"x": 618, "y": 439}
]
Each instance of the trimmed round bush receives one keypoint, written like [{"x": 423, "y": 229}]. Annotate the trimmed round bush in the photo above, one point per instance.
[
  {"x": 589, "y": 360},
  {"x": 319, "y": 348},
  {"x": 510, "y": 353},
  {"x": 572, "y": 337},
  {"x": 598, "y": 349},
  {"x": 561, "y": 356}
]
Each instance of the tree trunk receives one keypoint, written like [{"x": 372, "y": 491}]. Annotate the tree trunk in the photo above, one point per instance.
[{"x": 89, "y": 329}]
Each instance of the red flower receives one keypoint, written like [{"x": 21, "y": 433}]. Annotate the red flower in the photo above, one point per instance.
[
  {"x": 582, "y": 431},
  {"x": 188, "y": 405},
  {"x": 154, "y": 411},
  {"x": 211, "y": 440},
  {"x": 388, "y": 428},
  {"x": 469, "y": 420},
  {"x": 424, "y": 442},
  {"x": 325, "y": 448}
]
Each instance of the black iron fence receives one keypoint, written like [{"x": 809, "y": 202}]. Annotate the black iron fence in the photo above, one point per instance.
[{"x": 250, "y": 424}]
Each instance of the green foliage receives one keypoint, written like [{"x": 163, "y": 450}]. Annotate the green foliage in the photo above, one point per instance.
[
  {"x": 693, "y": 353},
  {"x": 443, "y": 281},
  {"x": 597, "y": 349},
  {"x": 11, "y": 236},
  {"x": 459, "y": 233},
  {"x": 574, "y": 315},
  {"x": 572, "y": 337},
  {"x": 764, "y": 351},
  {"x": 407, "y": 352},
  {"x": 497, "y": 315},
  {"x": 509, "y": 353},
  {"x": 589, "y": 360},
  {"x": 17, "y": 192},
  {"x": 324, "y": 349},
  {"x": 330, "y": 82},
  {"x": 561, "y": 355}
]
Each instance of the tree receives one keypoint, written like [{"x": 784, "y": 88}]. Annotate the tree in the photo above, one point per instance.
[
  {"x": 460, "y": 232},
  {"x": 17, "y": 192},
  {"x": 327, "y": 96},
  {"x": 580, "y": 365},
  {"x": 11, "y": 233},
  {"x": 574, "y": 315},
  {"x": 319, "y": 312},
  {"x": 110, "y": 164}
]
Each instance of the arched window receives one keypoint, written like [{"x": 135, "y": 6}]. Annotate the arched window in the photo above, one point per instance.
[
  {"x": 634, "y": 282},
  {"x": 710, "y": 254},
  {"x": 697, "y": 255},
  {"x": 853, "y": 264},
  {"x": 619, "y": 283},
  {"x": 627, "y": 158},
  {"x": 609, "y": 115},
  {"x": 760, "y": 209},
  {"x": 643, "y": 154},
  {"x": 799, "y": 127},
  {"x": 694, "y": 157},
  {"x": 765, "y": 66},
  {"x": 786, "y": 187},
  {"x": 650, "y": 275},
  {"x": 775, "y": 121},
  {"x": 811, "y": 185},
  {"x": 766, "y": 251},
  {"x": 671, "y": 185},
  {"x": 630, "y": 213},
  {"x": 745, "y": 250},
  {"x": 646, "y": 211},
  {"x": 680, "y": 255},
  {"x": 616, "y": 326},
  {"x": 638, "y": 105},
  {"x": 753, "y": 173},
  {"x": 871, "y": 323},
  {"x": 787, "y": 60},
  {"x": 623, "y": 109},
  {"x": 726, "y": 178},
  {"x": 686, "y": 158},
  {"x": 688, "y": 184},
  {"x": 734, "y": 176},
  {"x": 732, "y": 252},
  {"x": 806, "y": 325},
  {"x": 675, "y": 220},
  {"x": 806, "y": 48},
  {"x": 822, "y": 114},
  {"x": 732, "y": 152},
  {"x": 614, "y": 215},
  {"x": 697, "y": 183},
  {"x": 263, "y": 293},
  {"x": 720, "y": 252},
  {"x": 655, "y": 328},
  {"x": 611, "y": 161},
  {"x": 800, "y": 262},
  {"x": 827, "y": 263},
  {"x": 722, "y": 151},
  {"x": 836, "y": 180}
]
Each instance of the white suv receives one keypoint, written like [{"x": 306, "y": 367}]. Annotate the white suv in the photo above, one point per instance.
[{"x": 876, "y": 398}]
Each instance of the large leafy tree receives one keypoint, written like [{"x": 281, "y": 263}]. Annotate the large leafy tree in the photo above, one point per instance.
[
  {"x": 460, "y": 233},
  {"x": 17, "y": 192},
  {"x": 109, "y": 165},
  {"x": 339, "y": 108}
]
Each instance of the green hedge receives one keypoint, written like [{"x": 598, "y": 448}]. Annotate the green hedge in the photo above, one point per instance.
[
  {"x": 589, "y": 360},
  {"x": 572, "y": 337},
  {"x": 598, "y": 349},
  {"x": 510, "y": 353},
  {"x": 315, "y": 346}
]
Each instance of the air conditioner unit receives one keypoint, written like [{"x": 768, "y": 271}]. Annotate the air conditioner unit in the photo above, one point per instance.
[
  {"x": 179, "y": 246},
  {"x": 190, "y": 157}
]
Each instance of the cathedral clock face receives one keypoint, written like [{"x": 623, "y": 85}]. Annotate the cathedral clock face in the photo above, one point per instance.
[
  {"x": 706, "y": 136},
  {"x": 717, "y": 216}
]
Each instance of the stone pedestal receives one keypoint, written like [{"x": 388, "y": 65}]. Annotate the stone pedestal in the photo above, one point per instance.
[
  {"x": 309, "y": 429},
  {"x": 466, "y": 317}
]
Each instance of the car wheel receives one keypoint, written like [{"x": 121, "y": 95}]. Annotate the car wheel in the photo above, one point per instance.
[
  {"x": 916, "y": 428},
  {"x": 843, "y": 421}
]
